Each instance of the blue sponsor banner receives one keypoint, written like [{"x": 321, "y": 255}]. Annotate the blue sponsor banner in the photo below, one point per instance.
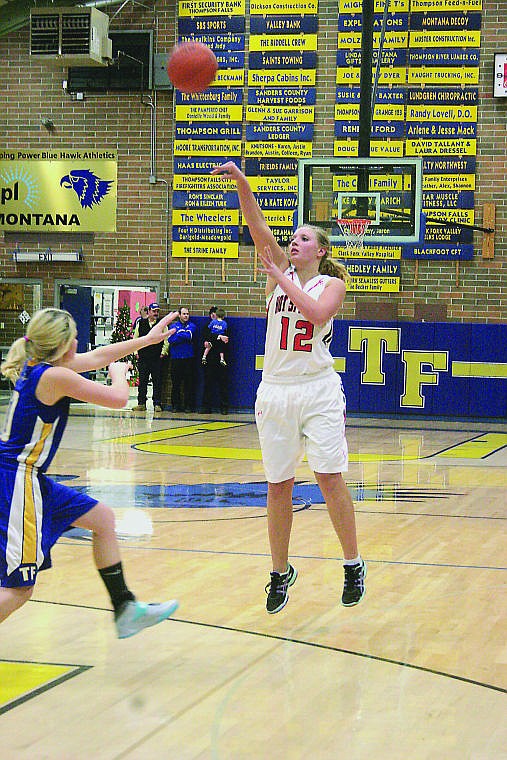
[
  {"x": 449, "y": 57},
  {"x": 373, "y": 267},
  {"x": 449, "y": 165},
  {"x": 379, "y": 129},
  {"x": 284, "y": 24},
  {"x": 277, "y": 201},
  {"x": 448, "y": 199},
  {"x": 199, "y": 164},
  {"x": 439, "y": 22},
  {"x": 283, "y": 59},
  {"x": 231, "y": 59},
  {"x": 438, "y": 130},
  {"x": 211, "y": 24},
  {"x": 384, "y": 95},
  {"x": 460, "y": 252},
  {"x": 204, "y": 199},
  {"x": 189, "y": 233},
  {"x": 279, "y": 96},
  {"x": 437, "y": 233},
  {"x": 445, "y": 96},
  {"x": 218, "y": 42},
  {"x": 281, "y": 234},
  {"x": 352, "y": 22},
  {"x": 271, "y": 167},
  {"x": 201, "y": 130},
  {"x": 389, "y": 57},
  {"x": 217, "y": 95},
  {"x": 279, "y": 132}
]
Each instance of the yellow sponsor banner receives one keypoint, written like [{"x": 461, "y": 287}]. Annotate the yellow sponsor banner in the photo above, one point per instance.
[
  {"x": 277, "y": 218},
  {"x": 195, "y": 182},
  {"x": 456, "y": 38},
  {"x": 377, "y": 148},
  {"x": 443, "y": 75},
  {"x": 58, "y": 191},
  {"x": 376, "y": 182},
  {"x": 356, "y": 6},
  {"x": 188, "y": 8},
  {"x": 206, "y": 216},
  {"x": 281, "y": 114},
  {"x": 207, "y": 147},
  {"x": 369, "y": 252},
  {"x": 229, "y": 78},
  {"x": 391, "y": 75},
  {"x": 352, "y": 40},
  {"x": 441, "y": 147},
  {"x": 374, "y": 284},
  {"x": 280, "y": 7},
  {"x": 446, "y": 5},
  {"x": 273, "y": 184},
  {"x": 296, "y": 149},
  {"x": 441, "y": 113},
  {"x": 350, "y": 112},
  {"x": 209, "y": 112},
  {"x": 282, "y": 78},
  {"x": 205, "y": 250},
  {"x": 464, "y": 215},
  {"x": 448, "y": 182},
  {"x": 260, "y": 42}
]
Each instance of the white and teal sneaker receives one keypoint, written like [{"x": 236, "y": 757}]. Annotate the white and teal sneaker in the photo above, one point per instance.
[{"x": 137, "y": 615}]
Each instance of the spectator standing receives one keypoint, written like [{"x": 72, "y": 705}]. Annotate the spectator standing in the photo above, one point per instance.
[
  {"x": 217, "y": 327},
  {"x": 149, "y": 362},
  {"x": 216, "y": 392},
  {"x": 143, "y": 314},
  {"x": 182, "y": 352}
]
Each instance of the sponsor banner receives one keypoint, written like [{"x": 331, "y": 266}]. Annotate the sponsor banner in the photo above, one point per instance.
[
  {"x": 394, "y": 21},
  {"x": 272, "y": 42},
  {"x": 296, "y": 149},
  {"x": 198, "y": 165},
  {"x": 208, "y": 131},
  {"x": 202, "y": 147},
  {"x": 446, "y": 5},
  {"x": 444, "y": 39},
  {"x": 282, "y": 78},
  {"x": 436, "y": 233},
  {"x": 198, "y": 182},
  {"x": 205, "y": 199},
  {"x": 438, "y": 74},
  {"x": 282, "y": 60},
  {"x": 203, "y": 250},
  {"x": 231, "y": 60},
  {"x": 271, "y": 166},
  {"x": 384, "y": 95},
  {"x": 392, "y": 75},
  {"x": 273, "y": 184},
  {"x": 446, "y": 198},
  {"x": 216, "y": 96},
  {"x": 221, "y": 44},
  {"x": 392, "y": 129},
  {"x": 373, "y": 268},
  {"x": 392, "y": 40},
  {"x": 356, "y": 6},
  {"x": 376, "y": 182},
  {"x": 281, "y": 234},
  {"x": 437, "y": 165},
  {"x": 211, "y": 216},
  {"x": 374, "y": 285},
  {"x": 279, "y": 218},
  {"x": 58, "y": 191},
  {"x": 201, "y": 233},
  {"x": 385, "y": 148},
  {"x": 229, "y": 78},
  {"x": 279, "y": 131},
  {"x": 305, "y": 96},
  {"x": 280, "y": 201},
  {"x": 443, "y": 57},
  {"x": 389, "y": 57},
  {"x": 284, "y": 24},
  {"x": 294, "y": 114},
  {"x": 448, "y": 182},
  {"x": 208, "y": 112},
  {"x": 441, "y": 147},
  {"x": 468, "y": 96},
  {"x": 229, "y": 25},
  {"x": 276, "y": 7},
  {"x": 382, "y": 112},
  {"x": 433, "y": 113},
  {"x": 215, "y": 8},
  {"x": 457, "y": 20},
  {"x": 440, "y": 252},
  {"x": 437, "y": 130},
  {"x": 369, "y": 252},
  {"x": 462, "y": 216}
]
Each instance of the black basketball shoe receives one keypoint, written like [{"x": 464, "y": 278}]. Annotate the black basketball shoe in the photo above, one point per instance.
[
  {"x": 353, "y": 587},
  {"x": 276, "y": 589}
]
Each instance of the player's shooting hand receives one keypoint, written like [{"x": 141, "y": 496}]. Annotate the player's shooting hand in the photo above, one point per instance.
[
  {"x": 119, "y": 370},
  {"x": 229, "y": 169},
  {"x": 160, "y": 331},
  {"x": 268, "y": 264}
]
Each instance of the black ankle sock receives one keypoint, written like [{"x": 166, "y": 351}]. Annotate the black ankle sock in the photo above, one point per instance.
[{"x": 114, "y": 581}]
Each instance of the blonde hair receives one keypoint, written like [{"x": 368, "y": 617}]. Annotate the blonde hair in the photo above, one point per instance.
[
  {"x": 327, "y": 265},
  {"x": 49, "y": 336}
]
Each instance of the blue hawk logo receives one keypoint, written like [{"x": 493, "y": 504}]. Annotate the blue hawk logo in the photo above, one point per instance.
[{"x": 88, "y": 187}]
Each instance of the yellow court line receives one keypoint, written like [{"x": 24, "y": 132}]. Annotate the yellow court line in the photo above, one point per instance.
[
  {"x": 177, "y": 432},
  {"x": 478, "y": 448},
  {"x": 18, "y": 679}
]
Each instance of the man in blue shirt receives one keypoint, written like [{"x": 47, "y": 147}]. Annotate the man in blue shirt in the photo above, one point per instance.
[{"x": 183, "y": 370}]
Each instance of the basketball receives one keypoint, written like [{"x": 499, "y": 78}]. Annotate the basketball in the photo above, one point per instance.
[{"x": 191, "y": 66}]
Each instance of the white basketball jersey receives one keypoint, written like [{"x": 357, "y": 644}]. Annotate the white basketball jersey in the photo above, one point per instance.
[{"x": 295, "y": 346}]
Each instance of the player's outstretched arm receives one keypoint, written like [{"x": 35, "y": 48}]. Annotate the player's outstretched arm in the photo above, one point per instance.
[
  {"x": 60, "y": 381},
  {"x": 259, "y": 230},
  {"x": 105, "y": 355}
]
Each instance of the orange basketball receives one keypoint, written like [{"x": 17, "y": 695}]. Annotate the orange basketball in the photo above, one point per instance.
[{"x": 191, "y": 66}]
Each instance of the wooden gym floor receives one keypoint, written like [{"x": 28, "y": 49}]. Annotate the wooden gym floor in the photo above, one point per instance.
[{"x": 417, "y": 670}]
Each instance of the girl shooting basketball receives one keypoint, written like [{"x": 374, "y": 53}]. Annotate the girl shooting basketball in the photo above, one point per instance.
[
  {"x": 35, "y": 510},
  {"x": 300, "y": 404}
]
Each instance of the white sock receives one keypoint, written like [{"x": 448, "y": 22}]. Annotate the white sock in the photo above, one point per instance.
[{"x": 354, "y": 561}]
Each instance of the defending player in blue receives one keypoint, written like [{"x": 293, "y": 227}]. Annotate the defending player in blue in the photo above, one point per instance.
[
  {"x": 300, "y": 404},
  {"x": 34, "y": 510}
]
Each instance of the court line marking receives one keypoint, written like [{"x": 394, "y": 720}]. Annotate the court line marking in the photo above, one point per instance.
[
  {"x": 302, "y": 642},
  {"x": 77, "y": 670}
]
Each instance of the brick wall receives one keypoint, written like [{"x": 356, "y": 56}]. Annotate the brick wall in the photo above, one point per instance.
[{"x": 474, "y": 291}]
